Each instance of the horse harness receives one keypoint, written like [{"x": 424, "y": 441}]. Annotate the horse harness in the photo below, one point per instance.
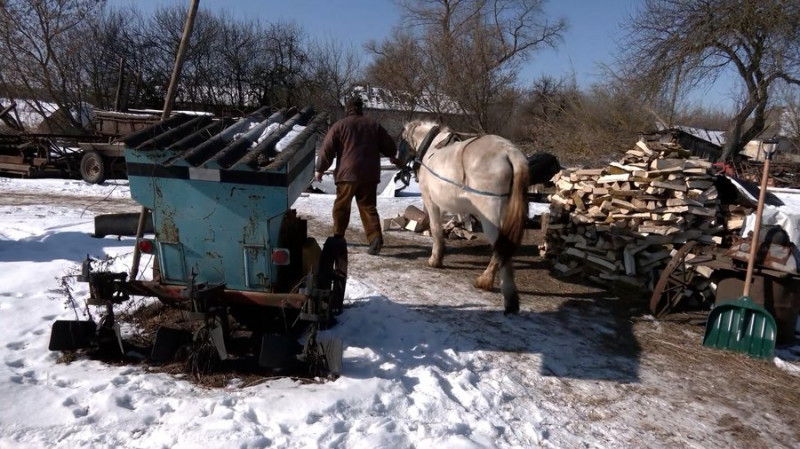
[{"x": 450, "y": 139}]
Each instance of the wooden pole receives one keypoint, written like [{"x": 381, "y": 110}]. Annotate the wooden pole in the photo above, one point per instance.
[
  {"x": 120, "y": 83},
  {"x": 173, "y": 83},
  {"x": 751, "y": 260},
  {"x": 176, "y": 69}
]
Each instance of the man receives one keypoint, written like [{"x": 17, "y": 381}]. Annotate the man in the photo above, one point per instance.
[{"x": 357, "y": 143}]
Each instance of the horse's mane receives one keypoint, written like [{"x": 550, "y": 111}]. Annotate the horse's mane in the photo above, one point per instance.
[{"x": 427, "y": 124}]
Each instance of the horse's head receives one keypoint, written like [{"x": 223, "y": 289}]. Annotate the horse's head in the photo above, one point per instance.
[{"x": 416, "y": 137}]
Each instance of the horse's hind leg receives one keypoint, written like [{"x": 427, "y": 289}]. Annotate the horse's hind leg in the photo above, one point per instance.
[
  {"x": 509, "y": 288},
  {"x": 435, "y": 217},
  {"x": 486, "y": 280}
]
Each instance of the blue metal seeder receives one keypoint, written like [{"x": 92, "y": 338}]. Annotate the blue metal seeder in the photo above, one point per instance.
[{"x": 226, "y": 241}]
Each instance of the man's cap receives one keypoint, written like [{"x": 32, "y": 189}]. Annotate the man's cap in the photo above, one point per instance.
[{"x": 355, "y": 103}]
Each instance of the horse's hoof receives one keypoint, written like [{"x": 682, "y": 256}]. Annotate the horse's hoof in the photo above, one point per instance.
[
  {"x": 434, "y": 263},
  {"x": 483, "y": 284},
  {"x": 511, "y": 310},
  {"x": 511, "y": 306}
]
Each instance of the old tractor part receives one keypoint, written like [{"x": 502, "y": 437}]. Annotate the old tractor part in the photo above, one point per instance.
[
  {"x": 123, "y": 224},
  {"x": 674, "y": 283},
  {"x": 106, "y": 289},
  {"x": 227, "y": 249},
  {"x": 332, "y": 274}
]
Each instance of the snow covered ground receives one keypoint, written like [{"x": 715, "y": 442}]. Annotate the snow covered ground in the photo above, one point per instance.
[{"x": 461, "y": 376}]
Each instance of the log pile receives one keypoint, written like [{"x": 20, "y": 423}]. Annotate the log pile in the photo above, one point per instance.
[
  {"x": 621, "y": 224},
  {"x": 416, "y": 220}
]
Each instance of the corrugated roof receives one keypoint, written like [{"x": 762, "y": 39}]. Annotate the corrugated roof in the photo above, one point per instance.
[{"x": 715, "y": 137}]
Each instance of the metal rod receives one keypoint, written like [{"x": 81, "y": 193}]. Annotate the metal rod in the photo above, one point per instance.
[
  {"x": 176, "y": 69},
  {"x": 137, "y": 254},
  {"x": 173, "y": 83},
  {"x": 751, "y": 260},
  {"x": 120, "y": 83}
]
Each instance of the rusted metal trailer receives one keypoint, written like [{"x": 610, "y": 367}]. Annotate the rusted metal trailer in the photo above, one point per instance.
[
  {"x": 227, "y": 245},
  {"x": 93, "y": 154}
]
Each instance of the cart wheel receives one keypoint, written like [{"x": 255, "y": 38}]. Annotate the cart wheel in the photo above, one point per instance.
[
  {"x": 672, "y": 284},
  {"x": 332, "y": 273},
  {"x": 93, "y": 169}
]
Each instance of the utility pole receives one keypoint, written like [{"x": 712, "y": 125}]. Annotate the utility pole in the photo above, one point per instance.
[
  {"x": 176, "y": 69},
  {"x": 170, "y": 98}
]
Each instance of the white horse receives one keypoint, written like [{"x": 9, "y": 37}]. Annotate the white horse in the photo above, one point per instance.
[{"x": 484, "y": 176}]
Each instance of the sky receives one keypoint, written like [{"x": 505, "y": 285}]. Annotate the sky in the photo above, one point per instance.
[
  {"x": 591, "y": 40},
  {"x": 593, "y": 25}
]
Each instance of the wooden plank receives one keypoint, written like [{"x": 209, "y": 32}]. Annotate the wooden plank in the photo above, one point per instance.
[
  {"x": 567, "y": 271},
  {"x": 644, "y": 148},
  {"x": 670, "y": 165},
  {"x": 624, "y": 168},
  {"x": 660, "y": 230},
  {"x": 23, "y": 169},
  {"x": 12, "y": 159},
  {"x": 607, "y": 179},
  {"x": 698, "y": 163},
  {"x": 669, "y": 185},
  {"x": 703, "y": 211},
  {"x": 699, "y": 184},
  {"x": 683, "y": 202},
  {"x": 589, "y": 172},
  {"x": 622, "y": 204}
]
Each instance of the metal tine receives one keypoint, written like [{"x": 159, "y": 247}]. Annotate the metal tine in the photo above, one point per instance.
[
  {"x": 238, "y": 147},
  {"x": 200, "y": 136},
  {"x": 298, "y": 143},
  {"x": 267, "y": 147},
  {"x": 134, "y": 140},
  {"x": 210, "y": 147},
  {"x": 173, "y": 135}
]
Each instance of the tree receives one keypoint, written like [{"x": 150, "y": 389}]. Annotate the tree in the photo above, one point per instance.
[
  {"x": 334, "y": 70},
  {"x": 468, "y": 51},
  {"x": 41, "y": 50},
  {"x": 678, "y": 45}
]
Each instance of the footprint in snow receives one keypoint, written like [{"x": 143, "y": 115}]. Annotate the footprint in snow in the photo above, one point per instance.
[
  {"x": 251, "y": 415},
  {"x": 125, "y": 402},
  {"x": 165, "y": 409},
  {"x": 19, "y": 363},
  {"x": 16, "y": 345}
]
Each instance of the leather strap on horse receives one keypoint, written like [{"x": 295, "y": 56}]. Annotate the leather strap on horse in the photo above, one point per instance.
[
  {"x": 423, "y": 148},
  {"x": 462, "y": 185}
]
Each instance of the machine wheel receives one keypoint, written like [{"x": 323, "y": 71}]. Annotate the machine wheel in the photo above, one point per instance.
[
  {"x": 332, "y": 273},
  {"x": 93, "y": 169},
  {"x": 672, "y": 284}
]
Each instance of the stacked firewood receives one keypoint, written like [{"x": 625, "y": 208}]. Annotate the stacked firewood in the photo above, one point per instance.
[
  {"x": 454, "y": 227},
  {"x": 623, "y": 222}
]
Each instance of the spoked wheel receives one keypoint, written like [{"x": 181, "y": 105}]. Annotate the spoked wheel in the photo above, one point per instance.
[
  {"x": 332, "y": 274},
  {"x": 673, "y": 283}
]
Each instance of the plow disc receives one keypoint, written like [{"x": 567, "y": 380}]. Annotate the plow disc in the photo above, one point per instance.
[{"x": 71, "y": 335}]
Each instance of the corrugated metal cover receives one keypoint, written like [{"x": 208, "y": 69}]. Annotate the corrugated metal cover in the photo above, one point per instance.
[{"x": 252, "y": 143}]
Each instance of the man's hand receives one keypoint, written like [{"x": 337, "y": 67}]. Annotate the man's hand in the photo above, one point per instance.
[
  {"x": 318, "y": 176},
  {"x": 396, "y": 162}
]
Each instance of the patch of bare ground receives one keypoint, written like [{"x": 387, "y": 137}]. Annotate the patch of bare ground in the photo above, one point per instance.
[{"x": 676, "y": 369}]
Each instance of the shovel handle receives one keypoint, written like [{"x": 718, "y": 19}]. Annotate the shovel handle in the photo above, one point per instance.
[{"x": 762, "y": 194}]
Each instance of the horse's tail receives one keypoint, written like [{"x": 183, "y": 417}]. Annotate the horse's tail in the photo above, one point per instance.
[{"x": 512, "y": 227}]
